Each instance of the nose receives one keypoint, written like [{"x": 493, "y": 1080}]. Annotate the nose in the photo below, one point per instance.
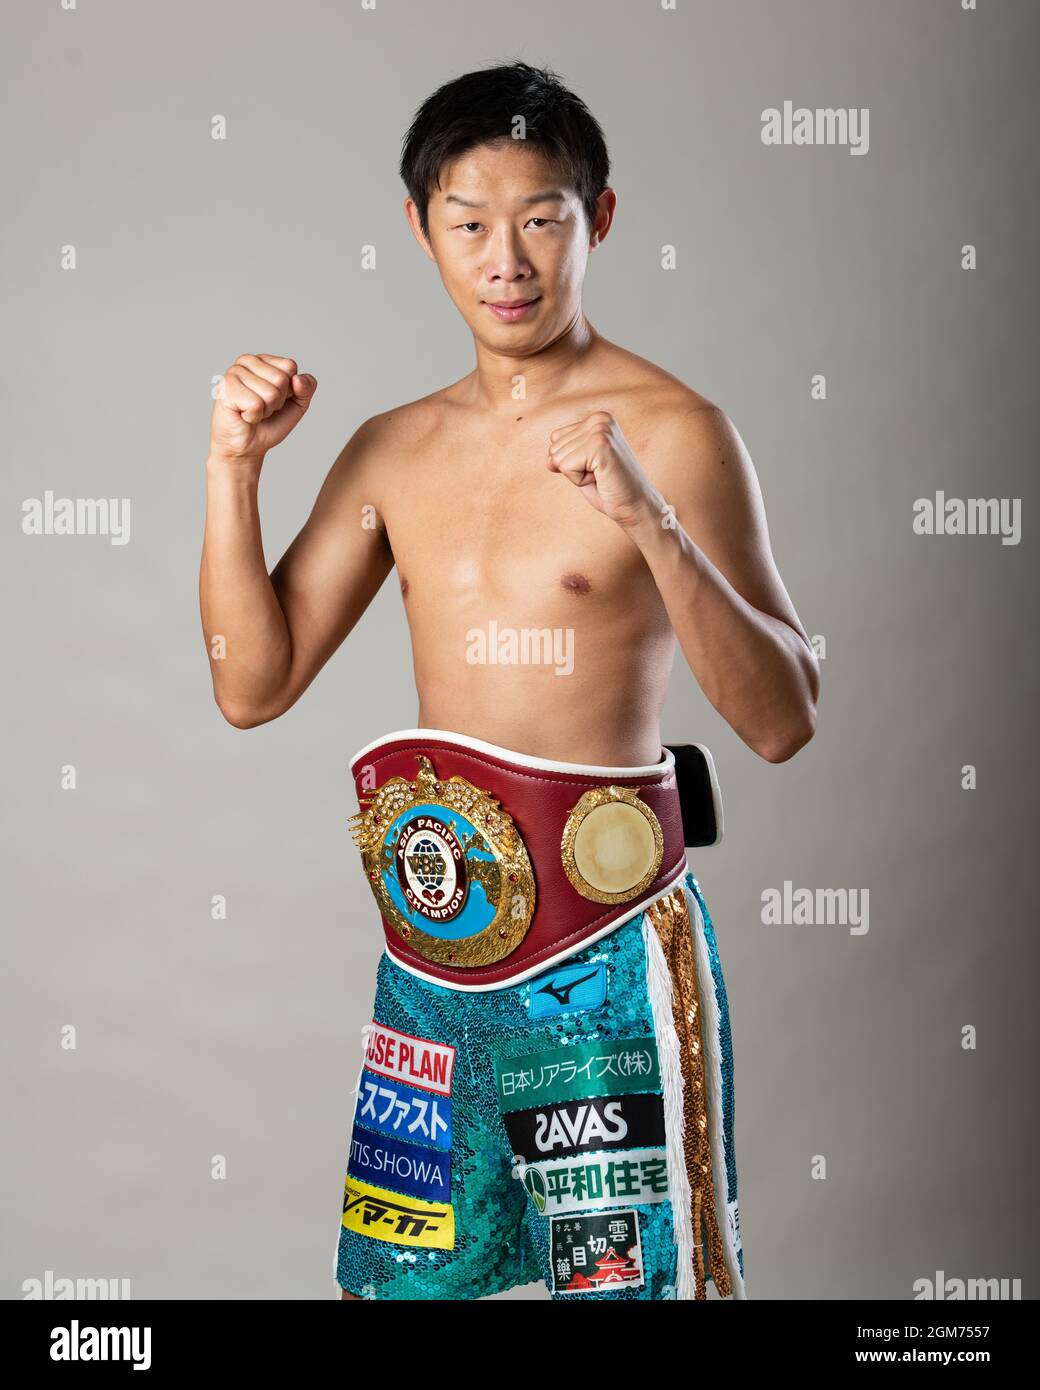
[{"x": 505, "y": 259}]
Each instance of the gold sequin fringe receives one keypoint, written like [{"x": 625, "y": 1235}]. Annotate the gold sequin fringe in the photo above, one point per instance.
[{"x": 671, "y": 921}]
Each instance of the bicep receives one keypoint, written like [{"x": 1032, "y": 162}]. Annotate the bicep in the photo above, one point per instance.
[
  {"x": 720, "y": 506},
  {"x": 335, "y": 566}
]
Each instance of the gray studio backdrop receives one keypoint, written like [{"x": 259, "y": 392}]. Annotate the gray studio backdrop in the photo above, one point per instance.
[{"x": 885, "y": 1078}]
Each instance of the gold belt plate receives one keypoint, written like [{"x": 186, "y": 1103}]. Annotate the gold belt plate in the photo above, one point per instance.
[{"x": 447, "y": 866}]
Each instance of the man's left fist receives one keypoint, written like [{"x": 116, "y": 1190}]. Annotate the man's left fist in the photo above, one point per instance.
[{"x": 595, "y": 456}]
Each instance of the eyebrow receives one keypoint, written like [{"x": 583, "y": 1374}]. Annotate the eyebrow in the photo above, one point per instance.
[{"x": 549, "y": 195}]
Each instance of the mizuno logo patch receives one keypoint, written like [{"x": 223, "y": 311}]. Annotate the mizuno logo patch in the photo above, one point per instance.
[{"x": 569, "y": 989}]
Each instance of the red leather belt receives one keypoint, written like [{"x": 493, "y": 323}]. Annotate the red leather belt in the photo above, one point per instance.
[{"x": 489, "y": 866}]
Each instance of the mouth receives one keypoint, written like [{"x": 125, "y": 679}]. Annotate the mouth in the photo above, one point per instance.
[{"x": 509, "y": 310}]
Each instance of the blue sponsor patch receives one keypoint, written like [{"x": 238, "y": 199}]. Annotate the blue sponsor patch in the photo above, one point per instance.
[
  {"x": 389, "y": 1107},
  {"x": 568, "y": 989},
  {"x": 407, "y": 1168}
]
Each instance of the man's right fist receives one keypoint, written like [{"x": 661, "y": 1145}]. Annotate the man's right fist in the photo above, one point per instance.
[{"x": 260, "y": 399}]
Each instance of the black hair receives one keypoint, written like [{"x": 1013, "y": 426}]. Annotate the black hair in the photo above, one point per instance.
[{"x": 481, "y": 107}]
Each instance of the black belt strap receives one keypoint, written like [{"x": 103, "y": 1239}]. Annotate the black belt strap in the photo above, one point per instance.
[{"x": 699, "y": 795}]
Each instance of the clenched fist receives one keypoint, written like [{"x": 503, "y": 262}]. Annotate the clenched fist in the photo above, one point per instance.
[
  {"x": 596, "y": 457},
  {"x": 260, "y": 400}
]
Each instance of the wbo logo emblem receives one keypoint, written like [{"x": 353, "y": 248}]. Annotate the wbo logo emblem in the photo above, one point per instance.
[
  {"x": 447, "y": 867},
  {"x": 431, "y": 868}
]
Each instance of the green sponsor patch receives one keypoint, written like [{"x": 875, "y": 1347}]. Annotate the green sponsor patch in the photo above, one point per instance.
[{"x": 606, "y": 1068}]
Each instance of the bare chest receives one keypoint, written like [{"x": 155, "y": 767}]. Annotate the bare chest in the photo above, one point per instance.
[{"x": 483, "y": 524}]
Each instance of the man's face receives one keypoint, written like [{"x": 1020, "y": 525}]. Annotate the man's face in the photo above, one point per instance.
[{"x": 504, "y": 230}]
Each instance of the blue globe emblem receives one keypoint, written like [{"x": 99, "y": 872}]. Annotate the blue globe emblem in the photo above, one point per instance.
[
  {"x": 431, "y": 867},
  {"x": 427, "y": 867}
]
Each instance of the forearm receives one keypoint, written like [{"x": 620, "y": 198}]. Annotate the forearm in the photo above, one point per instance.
[
  {"x": 756, "y": 670},
  {"x": 246, "y": 632}
]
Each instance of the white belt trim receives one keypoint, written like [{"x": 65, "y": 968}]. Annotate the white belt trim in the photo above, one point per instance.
[{"x": 477, "y": 745}]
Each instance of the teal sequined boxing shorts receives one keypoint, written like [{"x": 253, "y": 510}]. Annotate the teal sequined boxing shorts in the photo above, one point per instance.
[{"x": 575, "y": 1127}]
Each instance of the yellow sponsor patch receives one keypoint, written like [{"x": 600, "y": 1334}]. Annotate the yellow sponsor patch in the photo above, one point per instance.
[{"x": 401, "y": 1220}]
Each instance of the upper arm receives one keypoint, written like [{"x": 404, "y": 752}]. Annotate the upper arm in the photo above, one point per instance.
[
  {"x": 336, "y": 564},
  {"x": 712, "y": 483}
]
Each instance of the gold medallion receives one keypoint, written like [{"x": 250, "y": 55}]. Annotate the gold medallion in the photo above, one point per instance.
[
  {"x": 612, "y": 845},
  {"x": 447, "y": 866}
]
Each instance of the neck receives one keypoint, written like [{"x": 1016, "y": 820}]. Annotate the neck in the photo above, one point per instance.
[{"x": 547, "y": 371}]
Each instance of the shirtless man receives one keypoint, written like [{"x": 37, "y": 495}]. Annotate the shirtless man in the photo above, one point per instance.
[{"x": 563, "y": 484}]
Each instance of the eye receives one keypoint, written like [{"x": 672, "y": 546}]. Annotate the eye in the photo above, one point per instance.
[
  {"x": 545, "y": 221},
  {"x": 466, "y": 225}
]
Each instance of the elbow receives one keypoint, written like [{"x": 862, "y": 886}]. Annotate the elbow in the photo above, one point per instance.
[
  {"x": 792, "y": 738},
  {"x": 801, "y": 725},
  {"x": 244, "y": 716}
]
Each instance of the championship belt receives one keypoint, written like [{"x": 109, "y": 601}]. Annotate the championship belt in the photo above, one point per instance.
[{"x": 489, "y": 866}]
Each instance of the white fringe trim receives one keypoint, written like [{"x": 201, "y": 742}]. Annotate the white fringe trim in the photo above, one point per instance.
[
  {"x": 659, "y": 989},
  {"x": 710, "y": 1024}
]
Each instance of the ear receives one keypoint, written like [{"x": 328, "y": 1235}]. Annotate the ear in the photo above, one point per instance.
[
  {"x": 411, "y": 211},
  {"x": 605, "y": 205}
]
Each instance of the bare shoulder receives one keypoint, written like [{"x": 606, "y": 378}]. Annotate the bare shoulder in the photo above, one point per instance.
[
  {"x": 691, "y": 448},
  {"x": 378, "y": 449},
  {"x": 685, "y": 442},
  {"x": 695, "y": 455},
  {"x": 693, "y": 435},
  {"x": 405, "y": 429},
  {"x": 646, "y": 392}
]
